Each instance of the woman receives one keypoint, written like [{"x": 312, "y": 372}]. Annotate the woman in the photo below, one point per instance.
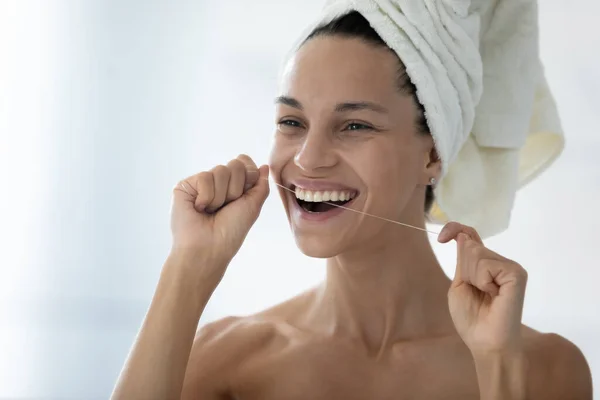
[{"x": 386, "y": 323}]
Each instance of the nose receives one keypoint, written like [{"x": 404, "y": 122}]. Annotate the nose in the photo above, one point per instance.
[{"x": 315, "y": 153}]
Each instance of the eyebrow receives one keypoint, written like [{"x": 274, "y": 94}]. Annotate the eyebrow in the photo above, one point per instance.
[
  {"x": 341, "y": 107},
  {"x": 360, "y": 105},
  {"x": 288, "y": 101}
]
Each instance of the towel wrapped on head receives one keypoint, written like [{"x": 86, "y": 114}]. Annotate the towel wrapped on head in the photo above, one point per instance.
[{"x": 476, "y": 67}]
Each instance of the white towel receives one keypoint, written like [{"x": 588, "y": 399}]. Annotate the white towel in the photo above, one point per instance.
[{"x": 478, "y": 74}]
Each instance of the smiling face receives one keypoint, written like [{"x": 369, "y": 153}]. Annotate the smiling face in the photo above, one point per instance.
[{"x": 346, "y": 132}]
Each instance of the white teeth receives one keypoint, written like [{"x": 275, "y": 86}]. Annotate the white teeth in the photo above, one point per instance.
[{"x": 328, "y": 195}]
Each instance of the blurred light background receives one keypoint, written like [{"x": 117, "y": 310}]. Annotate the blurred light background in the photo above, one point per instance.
[{"x": 106, "y": 104}]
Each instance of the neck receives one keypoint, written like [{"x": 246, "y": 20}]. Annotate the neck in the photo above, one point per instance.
[{"x": 387, "y": 292}]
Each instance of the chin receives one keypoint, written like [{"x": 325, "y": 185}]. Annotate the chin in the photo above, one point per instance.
[{"x": 318, "y": 246}]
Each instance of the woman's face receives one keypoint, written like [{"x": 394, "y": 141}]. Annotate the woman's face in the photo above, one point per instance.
[{"x": 345, "y": 131}]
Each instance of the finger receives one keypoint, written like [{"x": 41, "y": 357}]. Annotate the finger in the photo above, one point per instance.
[
  {"x": 483, "y": 276},
  {"x": 221, "y": 175},
  {"x": 237, "y": 180},
  {"x": 476, "y": 250},
  {"x": 507, "y": 273},
  {"x": 473, "y": 257},
  {"x": 493, "y": 276},
  {"x": 259, "y": 193},
  {"x": 205, "y": 190},
  {"x": 469, "y": 252},
  {"x": 252, "y": 173},
  {"x": 461, "y": 269},
  {"x": 452, "y": 229},
  {"x": 248, "y": 209},
  {"x": 184, "y": 191},
  {"x": 485, "y": 269},
  {"x": 197, "y": 189},
  {"x": 248, "y": 161}
]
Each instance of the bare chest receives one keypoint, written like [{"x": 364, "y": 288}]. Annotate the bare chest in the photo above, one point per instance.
[{"x": 328, "y": 371}]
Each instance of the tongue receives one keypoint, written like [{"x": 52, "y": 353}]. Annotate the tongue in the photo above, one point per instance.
[{"x": 319, "y": 207}]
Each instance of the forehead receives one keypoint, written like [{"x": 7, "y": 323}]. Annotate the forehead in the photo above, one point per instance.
[{"x": 328, "y": 67}]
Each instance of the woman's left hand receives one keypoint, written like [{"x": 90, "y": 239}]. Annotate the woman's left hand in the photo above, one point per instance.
[{"x": 486, "y": 296}]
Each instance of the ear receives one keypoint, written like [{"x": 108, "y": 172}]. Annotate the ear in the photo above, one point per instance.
[{"x": 432, "y": 163}]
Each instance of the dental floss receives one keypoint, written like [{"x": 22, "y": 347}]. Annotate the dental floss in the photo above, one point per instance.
[{"x": 361, "y": 212}]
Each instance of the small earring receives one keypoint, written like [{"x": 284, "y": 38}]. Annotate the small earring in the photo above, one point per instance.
[{"x": 432, "y": 181}]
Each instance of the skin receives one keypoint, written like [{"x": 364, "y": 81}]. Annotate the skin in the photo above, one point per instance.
[{"x": 386, "y": 323}]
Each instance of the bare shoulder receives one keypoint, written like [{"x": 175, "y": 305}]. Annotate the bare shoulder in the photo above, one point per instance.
[
  {"x": 557, "y": 367},
  {"x": 219, "y": 350},
  {"x": 235, "y": 333},
  {"x": 225, "y": 347}
]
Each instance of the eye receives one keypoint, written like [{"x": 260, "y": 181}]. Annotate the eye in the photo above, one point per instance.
[
  {"x": 357, "y": 126},
  {"x": 289, "y": 127},
  {"x": 290, "y": 122}
]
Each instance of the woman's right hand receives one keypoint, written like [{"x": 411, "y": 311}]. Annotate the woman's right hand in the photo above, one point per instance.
[
  {"x": 213, "y": 211},
  {"x": 211, "y": 215}
]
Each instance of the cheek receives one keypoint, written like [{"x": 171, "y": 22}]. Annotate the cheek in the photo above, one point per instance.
[
  {"x": 389, "y": 172},
  {"x": 282, "y": 153}
]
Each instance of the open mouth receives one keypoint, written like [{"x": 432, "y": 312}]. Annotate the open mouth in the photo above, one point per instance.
[{"x": 323, "y": 201}]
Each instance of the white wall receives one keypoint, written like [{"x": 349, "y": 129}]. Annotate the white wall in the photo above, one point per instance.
[{"x": 104, "y": 105}]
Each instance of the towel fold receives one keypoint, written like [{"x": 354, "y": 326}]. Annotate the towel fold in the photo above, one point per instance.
[{"x": 478, "y": 74}]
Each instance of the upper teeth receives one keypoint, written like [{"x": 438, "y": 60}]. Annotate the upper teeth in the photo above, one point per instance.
[{"x": 327, "y": 195}]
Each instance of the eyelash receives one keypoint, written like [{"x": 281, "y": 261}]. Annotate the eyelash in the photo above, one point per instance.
[
  {"x": 295, "y": 124},
  {"x": 287, "y": 122},
  {"x": 362, "y": 126}
]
